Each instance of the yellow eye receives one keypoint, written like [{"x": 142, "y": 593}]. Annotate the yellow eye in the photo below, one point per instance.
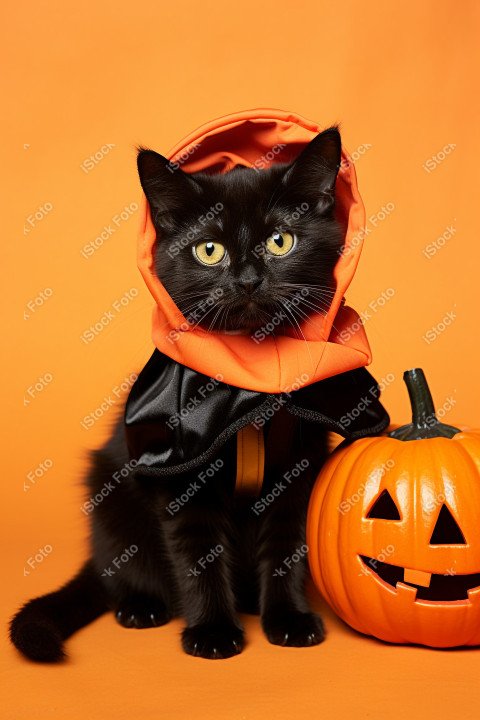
[
  {"x": 280, "y": 243},
  {"x": 209, "y": 253}
]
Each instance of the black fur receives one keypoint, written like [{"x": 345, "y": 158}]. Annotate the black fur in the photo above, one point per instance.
[{"x": 164, "y": 576}]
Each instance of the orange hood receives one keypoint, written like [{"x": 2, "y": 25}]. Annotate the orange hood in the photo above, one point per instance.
[{"x": 336, "y": 341}]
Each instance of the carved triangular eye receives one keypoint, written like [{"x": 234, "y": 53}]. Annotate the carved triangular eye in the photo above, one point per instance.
[
  {"x": 446, "y": 530},
  {"x": 384, "y": 508}
]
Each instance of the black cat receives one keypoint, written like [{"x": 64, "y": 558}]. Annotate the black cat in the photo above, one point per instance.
[{"x": 177, "y": 545}]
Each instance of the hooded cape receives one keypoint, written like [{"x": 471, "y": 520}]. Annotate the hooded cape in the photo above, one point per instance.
[{"x": 321, "y": 380}]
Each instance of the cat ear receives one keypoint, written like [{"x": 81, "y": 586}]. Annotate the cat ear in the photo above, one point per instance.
[
  {"x": 166, "y": 186},
  {"x": 315, "y": 170}
]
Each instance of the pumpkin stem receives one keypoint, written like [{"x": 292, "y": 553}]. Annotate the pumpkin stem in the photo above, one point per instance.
[
  {"x": 425, "y": 423},
  {"x": 421, "y": 401}
]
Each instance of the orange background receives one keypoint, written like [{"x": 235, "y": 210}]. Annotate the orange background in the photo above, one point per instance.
[{"x": 401, "y": 79}]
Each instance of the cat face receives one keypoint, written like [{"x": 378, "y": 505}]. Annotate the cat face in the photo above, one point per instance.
[{"x": 248, "y": 247}]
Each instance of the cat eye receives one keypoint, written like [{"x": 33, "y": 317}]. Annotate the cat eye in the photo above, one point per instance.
[
  {"x": 280, "y": 243},
  {"x": 209, "y": 253}
]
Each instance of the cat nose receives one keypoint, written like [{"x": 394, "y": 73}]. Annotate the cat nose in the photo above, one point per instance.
[{"x": 249, "y": 285}]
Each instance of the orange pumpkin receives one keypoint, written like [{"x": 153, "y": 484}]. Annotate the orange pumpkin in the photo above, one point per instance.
[{"x": 393, "y": 530}]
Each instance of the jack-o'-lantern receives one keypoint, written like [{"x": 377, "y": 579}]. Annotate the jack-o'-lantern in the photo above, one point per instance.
[{"x": 393, "y": 530}]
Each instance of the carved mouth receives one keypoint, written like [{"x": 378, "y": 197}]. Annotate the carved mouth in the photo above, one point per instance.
[{"x": 429, "y": 586}]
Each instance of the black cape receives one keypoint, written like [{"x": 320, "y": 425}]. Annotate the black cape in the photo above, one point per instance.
[{"x": 176, "y": 418}]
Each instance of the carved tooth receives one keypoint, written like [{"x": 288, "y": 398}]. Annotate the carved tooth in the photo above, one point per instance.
[
  {"x": 474, "y": 593},
  {"x": 406, "y": 593},
  {"x": 417, "y": 577}
]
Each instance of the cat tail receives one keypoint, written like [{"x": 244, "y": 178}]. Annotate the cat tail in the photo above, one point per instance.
[{"x": 42, "y": 624}]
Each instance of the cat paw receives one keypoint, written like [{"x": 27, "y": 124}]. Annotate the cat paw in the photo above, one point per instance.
[
  {"x": 213, "y": 641},
  {"x": 142, "y": 612},
  {"x": 293, "y": 629}
]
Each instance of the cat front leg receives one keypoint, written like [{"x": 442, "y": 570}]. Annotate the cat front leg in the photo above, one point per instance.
[
  {"x": 281, "y": 561},
  {"x": 199, "y": 536}
]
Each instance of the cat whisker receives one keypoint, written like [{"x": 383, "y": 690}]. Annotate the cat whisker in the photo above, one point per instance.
[
  {"x": 300, "y": 330},
  {"x": 189, "y": 297},
  {"x": 189, "y": 313},
  {"x": 310, "y": 288},
  {"x": 301, "y": 313},
  {"x": 304, "y": 284},
  {"x": 288, "y": 309},
  {"x": 223, "y": 317},
  {"x": 190, "y": 308},
  {"x": 202, "y": 319},
  {"x": 321, "y": 356},
  {"x": 216, "y": 316},
  {"x": 317, "y": 306},
  {"x": 310, "y": 295}
]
